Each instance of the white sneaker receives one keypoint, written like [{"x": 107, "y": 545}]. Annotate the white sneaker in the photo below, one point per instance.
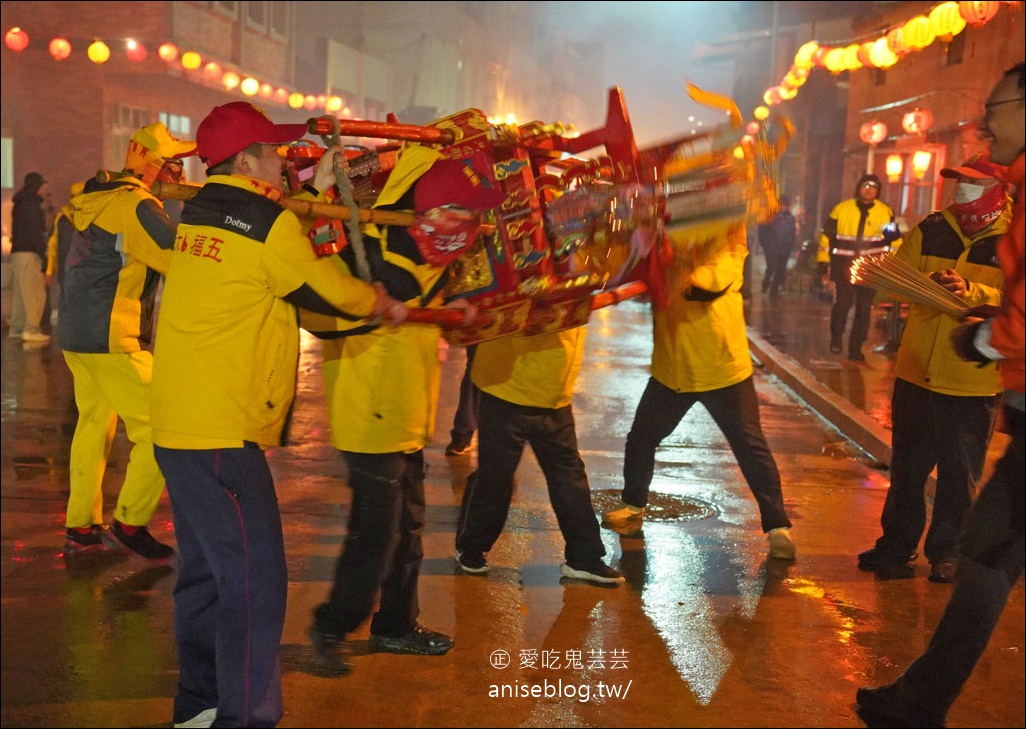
[
  {"x": 12, "y": 334},
  {"x": 202, "y": 720},
  {"x": 624, "y": 513},
  {"x": 780, "y": 544},
  {"x": 35, "y": 337}
]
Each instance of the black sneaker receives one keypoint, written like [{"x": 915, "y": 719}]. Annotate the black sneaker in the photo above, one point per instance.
[
  {"x": 473, "y": 562},
  {"x": 141, "y": 544},
  {"x": 419, "y": 641},
  {"x": 598, "y": 573},
  {"x": 330, "y": 650},
  {"x": 77, "y": 542},
  {"x": 874, "y": 559},
  {"x": 458, "y": 447}
]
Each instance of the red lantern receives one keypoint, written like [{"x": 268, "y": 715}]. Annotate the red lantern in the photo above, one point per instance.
[
  {"x": 60, "y": 49},
  {"x": 917, "y": 121},
  {"x": 16, "y": 39},
  {"x": 978, "y": 13},
  {"x": 135, "y": 51},
  {"x": 873, "y": 132}
]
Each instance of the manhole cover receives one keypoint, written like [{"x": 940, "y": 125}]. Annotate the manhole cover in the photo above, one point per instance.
[{"x": 661, "y": 507}]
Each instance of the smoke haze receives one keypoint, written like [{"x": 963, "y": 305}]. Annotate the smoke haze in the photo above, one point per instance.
[{"x": 645, "y": 48}]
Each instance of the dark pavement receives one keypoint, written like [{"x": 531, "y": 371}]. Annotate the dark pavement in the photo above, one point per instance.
[{"x": 707, "y": 631}]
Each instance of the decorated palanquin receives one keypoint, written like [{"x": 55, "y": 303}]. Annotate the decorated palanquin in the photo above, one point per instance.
[{"x": 590, "y": 220}]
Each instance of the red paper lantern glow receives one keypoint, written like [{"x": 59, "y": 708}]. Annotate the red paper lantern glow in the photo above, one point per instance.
[
  {"x": 135, "y": 51},
  {"x": 60, "y": 48},
  {"x": 917, "y": 121},
  {"x": 16, "y": 39},
  {"x": 873, "y": 132},
  {"x": 978, "y": 13}
]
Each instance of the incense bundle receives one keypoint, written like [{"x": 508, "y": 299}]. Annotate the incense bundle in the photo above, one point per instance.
[{"x": 893, "y": 275}]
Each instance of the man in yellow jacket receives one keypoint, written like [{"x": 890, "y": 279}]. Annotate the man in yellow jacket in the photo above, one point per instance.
[
  {"x": 527, "y": 386},
  {"x": 224, "y": 380},
  {"x": 859, "y": 226},
  {"x": 382, "y": 389},
  {"x": 942, "y": 407},
  {"x": 701, "y": 355},
  {"x": 120, "y": 247}
]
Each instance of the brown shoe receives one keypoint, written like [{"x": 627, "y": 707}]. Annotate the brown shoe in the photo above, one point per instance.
[{"x": 943, "y": 571}]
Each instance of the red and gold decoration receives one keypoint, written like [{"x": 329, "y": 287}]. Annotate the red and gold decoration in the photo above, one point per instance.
[{"x": 589, "y": 220}]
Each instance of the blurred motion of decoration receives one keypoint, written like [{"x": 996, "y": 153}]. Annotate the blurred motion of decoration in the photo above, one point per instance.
[{"x": 576, "y": 232}]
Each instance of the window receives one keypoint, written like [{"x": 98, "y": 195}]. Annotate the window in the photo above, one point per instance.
[
  {"x": 127, "y": 120},
  {"x": 280, "y": 19},
  {"x": 7, "y": 161},
  {"x": 256, "y": 15},
  {"x": 227, "y": 8},
  {"x": 955, "y": 50}
]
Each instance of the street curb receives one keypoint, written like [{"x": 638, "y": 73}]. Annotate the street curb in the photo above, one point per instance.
[{"x": 855, "y": 424}]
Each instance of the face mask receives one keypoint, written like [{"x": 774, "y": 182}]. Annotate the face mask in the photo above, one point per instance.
[{"x": 966, "y": 192}]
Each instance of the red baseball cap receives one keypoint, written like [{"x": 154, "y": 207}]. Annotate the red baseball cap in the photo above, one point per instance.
[
  {"x": 230, "y": 128},
  {"x": 977, "y": 167},
  {"x": 452, "y": 182}
]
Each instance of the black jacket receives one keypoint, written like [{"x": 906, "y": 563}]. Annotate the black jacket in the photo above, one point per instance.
[{"x": 28, "y": 223}]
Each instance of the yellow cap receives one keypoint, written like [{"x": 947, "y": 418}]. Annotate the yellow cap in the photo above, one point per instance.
[{"x": 151, "y": 145}]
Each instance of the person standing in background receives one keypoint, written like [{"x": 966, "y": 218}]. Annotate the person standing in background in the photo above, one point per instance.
[
  {"x": 29, "y": 235},
  {"x": 859, "y": 226},
  {"x": 780, "y": 238}
]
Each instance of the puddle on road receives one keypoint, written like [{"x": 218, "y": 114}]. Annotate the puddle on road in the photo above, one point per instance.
[{"x": 661, "y": 507}]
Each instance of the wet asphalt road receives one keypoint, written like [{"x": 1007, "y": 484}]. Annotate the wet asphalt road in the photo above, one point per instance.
[{"x": 707, "y": 631}]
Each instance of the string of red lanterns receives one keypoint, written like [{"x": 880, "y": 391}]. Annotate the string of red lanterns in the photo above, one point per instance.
[
  {"x": 944, "y": 21},
  {"x": 16, "y": 39}
]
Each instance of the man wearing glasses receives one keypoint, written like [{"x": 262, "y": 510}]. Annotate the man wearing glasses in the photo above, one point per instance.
[{"x": 992, "y": 544}]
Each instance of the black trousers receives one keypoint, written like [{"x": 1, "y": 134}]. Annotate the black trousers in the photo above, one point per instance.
[
  {"x": 931, "y": 429},
  {"x": 383, "y": 551},
  {"x": 464, "y": 422},
  {"x": 504, "y": 429},
  {"x": 736, "y": 411},
  {"x": 848, "y": 295}
]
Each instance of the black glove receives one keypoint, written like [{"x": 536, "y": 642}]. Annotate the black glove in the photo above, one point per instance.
[
  {"x": 962, "y": 338},
  {"x": 982, "y": 311}
]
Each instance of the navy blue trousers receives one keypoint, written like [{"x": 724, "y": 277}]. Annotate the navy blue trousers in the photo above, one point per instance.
[{"x": 230, "y": 595}]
